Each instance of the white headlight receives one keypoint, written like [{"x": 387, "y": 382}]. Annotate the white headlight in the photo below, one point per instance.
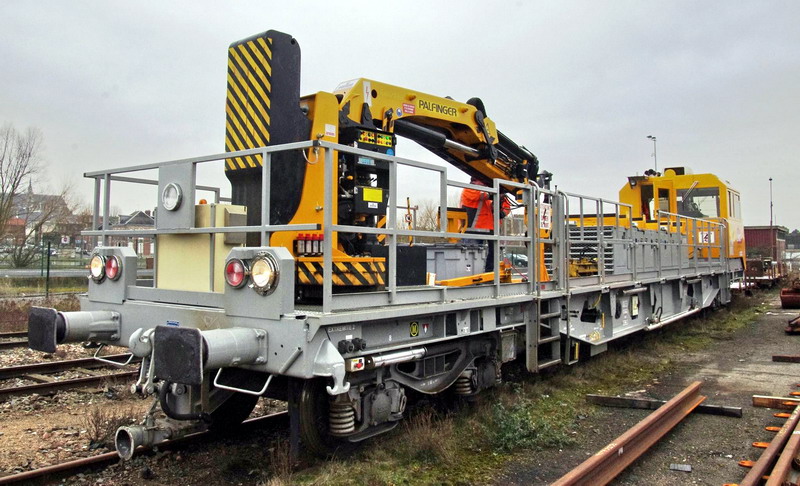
[
  {"x": 264, "y": 274},
  {"x": 97, "y": 268},
  {"x": 171, "y": 196}
]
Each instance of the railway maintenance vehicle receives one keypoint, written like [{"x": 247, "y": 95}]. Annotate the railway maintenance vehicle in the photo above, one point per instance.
[{"x": 303, "y": 286}]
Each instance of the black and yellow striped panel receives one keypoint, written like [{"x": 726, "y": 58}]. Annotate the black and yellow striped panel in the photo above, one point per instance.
[
  {"x": 247, "y": 108},
  {"x": 356, "y": 273}
]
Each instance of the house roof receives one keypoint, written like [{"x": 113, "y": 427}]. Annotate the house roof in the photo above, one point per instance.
[{"x": 139, "y": 218}]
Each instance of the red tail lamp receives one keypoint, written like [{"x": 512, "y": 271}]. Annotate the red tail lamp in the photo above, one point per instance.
[
  {"x": 113, "y": 267},
  {"x": 235, "y": 273}
]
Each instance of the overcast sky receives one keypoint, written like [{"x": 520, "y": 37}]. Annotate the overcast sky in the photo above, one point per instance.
[{"x": 581, "y": 84}]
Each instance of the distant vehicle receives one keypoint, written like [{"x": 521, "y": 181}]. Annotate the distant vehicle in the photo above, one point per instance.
[{"x": 518, "y": 260}]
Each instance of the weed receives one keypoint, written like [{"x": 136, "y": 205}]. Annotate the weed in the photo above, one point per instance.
[
  {"x": 517, "y": 420},
  {"x": 428, "y": 438},
  {"x": 280, "y": 462},
  {"x": 14, "y": 313},
  {"x": 102, "y": 423}
]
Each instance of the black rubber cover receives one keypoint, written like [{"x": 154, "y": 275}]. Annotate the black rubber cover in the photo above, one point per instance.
[
  {"x": 287, "y": 124},
  {"x": 178, "y": 354},
  {"x": 42, "y": 329}
]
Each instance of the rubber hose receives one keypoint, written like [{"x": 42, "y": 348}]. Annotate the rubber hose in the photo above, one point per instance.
[{"x": 162, "y": 400}]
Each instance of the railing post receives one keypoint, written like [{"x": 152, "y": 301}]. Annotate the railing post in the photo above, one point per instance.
[
  {"x": 442, "y": 201},
  {"x": 695, "y": 247},
  {"x": 680, "y": 244},
  {"x": 96, "y": 210},
  {"x": 392, "y": 227},
  {"x": 560, "y": 221},
  {"x": 327, "y": 218},
  {"x": 106, "y": 204},
  {"x": 532, "y": 248},
  {"x": 601, "y": 248},
  {"x": 212, "y": 248},
  {"x": 266, "y": 184},
  {"x": 496, "y": 233},
  {"x": 634, "y": 246}
]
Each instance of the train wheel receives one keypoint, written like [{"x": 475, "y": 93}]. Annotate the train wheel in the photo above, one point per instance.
[
  {"x": 233, "y": 411},
  {"x": 314, "y": 410}
]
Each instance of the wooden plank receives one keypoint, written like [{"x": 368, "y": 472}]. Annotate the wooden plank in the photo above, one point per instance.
[
  {"x": 90, "y": 372},
  {"x": 652, "y": 404},
  {"x": 783, "y": 403},
  {"x": 786, "y": 358},
  {"x": 40, "y": 378}
]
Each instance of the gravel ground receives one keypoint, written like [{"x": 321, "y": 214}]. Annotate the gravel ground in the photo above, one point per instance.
[
  {"x": 732, "y": 371},
  {"x": 23, "y": 355}
]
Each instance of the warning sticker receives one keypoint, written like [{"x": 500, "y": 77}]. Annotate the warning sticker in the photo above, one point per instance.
[
  {"x": 545, "y": 216},
  {"x": 409, "y": 109},
  {"x": 374, "y": 194},
  {"x": 413, "y": 329},
  {"x": 330, "y": 130}
]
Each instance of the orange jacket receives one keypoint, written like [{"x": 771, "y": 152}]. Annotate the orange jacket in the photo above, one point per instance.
[{"x": 481, "y": 202}]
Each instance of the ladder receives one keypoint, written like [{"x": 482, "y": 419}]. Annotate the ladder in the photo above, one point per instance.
[{"x": 543, "y": 318}]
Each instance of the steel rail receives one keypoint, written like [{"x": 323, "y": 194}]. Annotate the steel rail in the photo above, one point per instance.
[
  {"x": 784, "y": 465},
  {"x": 13, "y": 344},
  {"x": 63, "y": 385},
  {"x": 13, "y": 334},
  {"x": 56, "y": 366},
  {"x": 762, "y": 466},
  {"x": 111, "y": 457},
  {"x": 612, "y": 459}
]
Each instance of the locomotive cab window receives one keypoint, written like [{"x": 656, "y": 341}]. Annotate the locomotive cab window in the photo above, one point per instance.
[
  {"x": 699, "y": 202},
  {"x": 737, "y": 206}
]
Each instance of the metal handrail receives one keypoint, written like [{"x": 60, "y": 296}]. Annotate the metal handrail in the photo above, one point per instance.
[{"x": 531, "y": 195}]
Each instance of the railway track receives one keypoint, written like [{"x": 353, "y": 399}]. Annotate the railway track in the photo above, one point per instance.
[
  {"x": 59, "y": 366},
  {"x": 62, "y": 470},
  {"x": 56, "y": 385},
  {"x": 18, "y": 339}
]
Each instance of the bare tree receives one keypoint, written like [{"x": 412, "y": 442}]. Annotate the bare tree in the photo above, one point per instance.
[
  {"x": 19, "y": 162},
  {"x": 42, "y": 215},
  {"x": 427, "y": 215},
  {"x": 30, "y": 215}
]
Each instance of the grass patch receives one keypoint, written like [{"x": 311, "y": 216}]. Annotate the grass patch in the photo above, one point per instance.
[
  {"x": 518, "y": 420},
  {"x": 14, "y": 313},
  {"x": 430, "y": 438},
  {"x": 22, "y": 286}
]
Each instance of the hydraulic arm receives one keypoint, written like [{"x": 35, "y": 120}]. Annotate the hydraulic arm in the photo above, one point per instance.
[
  {"x": 459, "y": 133},
  {"x": 264, "y": 107}
]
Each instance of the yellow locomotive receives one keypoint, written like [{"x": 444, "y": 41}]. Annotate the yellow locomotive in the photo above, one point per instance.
[{"x": 659, "y": 201}]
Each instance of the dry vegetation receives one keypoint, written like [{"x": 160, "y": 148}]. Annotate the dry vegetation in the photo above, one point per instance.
[
  {"x": 525, "y": 414},
  {"x": 101, "y": 424},
  {"x": 14, "y": 312}
]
